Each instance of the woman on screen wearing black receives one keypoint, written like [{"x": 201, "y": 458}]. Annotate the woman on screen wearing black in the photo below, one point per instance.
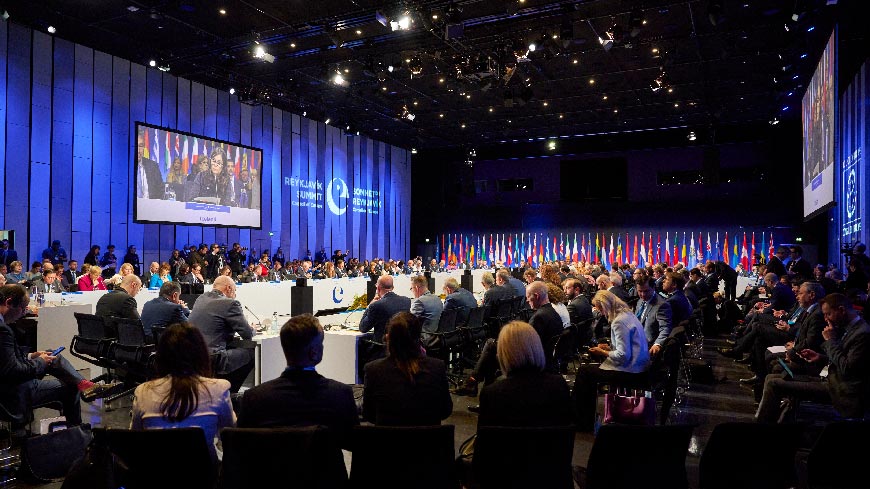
[
  {"x": 216, "y": 183},
  {"x": 133, "y": 259}
]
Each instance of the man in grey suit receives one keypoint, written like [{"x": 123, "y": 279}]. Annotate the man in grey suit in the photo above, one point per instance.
[
  {"x": 426, "y": 306},
  {"x": 654, "y": 313},
  {"x": 504, "y": 279},
  {"x": 219, "y": 316},
  {"x": 48, "y": 282},
  {"x": 458, "y": 298},
  {"x": 383, "y": 306},
  {"x": 494, "y": 293},
  {"x": 166, "y": 309}
]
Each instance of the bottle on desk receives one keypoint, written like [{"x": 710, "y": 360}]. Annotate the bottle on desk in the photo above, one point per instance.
[{"x": 274, "y": 328}]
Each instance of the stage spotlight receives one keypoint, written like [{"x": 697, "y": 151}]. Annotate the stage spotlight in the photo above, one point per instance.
[
  {"x": 51, "y": 29},
  {"x": 339, "y": 79},
  {"x": 416, "y": 66},
  {"x": 260, "y": 53},
  {"x": 692, "y": 136},
  {"x": 407, "y": 114},
  {"x": 163, "y": 67},
  {"x": 774, "y": 121},
  {"x": 152, "y": 63},
  {"x": 232, "y": 91},
  {"x": 327, "y": 121}
]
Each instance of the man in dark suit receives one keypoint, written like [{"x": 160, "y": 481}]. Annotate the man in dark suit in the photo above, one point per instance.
[
  {"x": 219, "y": 316},
  {"x": 681, "y": 309},
  {"x": 774, "y": 265},
  {"x": 845, "y": 353},
  {"x": 654, "y": 313},
  {"x": 120, "y": 302},
  {"x": 809, "y": 333},
  {"x": 301, "y": 396},
  {"x": 164, "y": 310},
  {"x": 458, "y": 298},
  {"x": 780, "y": 295},
  {"x": 696, "y": 288},
  {"x": 22, "y": 375},
  {"x": 149, "y": 180},
  {"x": 797, "y": 265},
  {"x": 729, "y": 276},
  {"x": 545, "y": 319},
  {"x": 48, "y": 283},
  {"x": 71, "y": 275},
  {"x": 383, "y": 306},
  {"x": 504, "y": 278},
  {"x": 7, "y": 254},
  {"x": 494, "y": 293},
  {"x": 579, "y": 308},
  {"x": 605, "y": 282},
  {"x": 711, "y": 277}
]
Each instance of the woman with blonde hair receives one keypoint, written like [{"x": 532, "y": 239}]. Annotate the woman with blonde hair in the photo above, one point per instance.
[
  {"x": 328, "y": 270},
  {"x": 115, "y": 281},
  {"x": 93, "y": 280},
  {"x": 525, "y": 395},
  {"x": 624, "y": 361}
]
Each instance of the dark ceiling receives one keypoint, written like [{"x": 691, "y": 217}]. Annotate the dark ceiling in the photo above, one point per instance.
[{"x": 719, "y": 62}]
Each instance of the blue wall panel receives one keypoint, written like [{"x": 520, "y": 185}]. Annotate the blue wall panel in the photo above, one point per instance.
[
  {"x": 40, "y": 152},
  {"x": 69, "y": 115},
  {"x": 83, "y": 126},
  {"x": 121, "y": 159},
  {"x": 60, "y": 213}
]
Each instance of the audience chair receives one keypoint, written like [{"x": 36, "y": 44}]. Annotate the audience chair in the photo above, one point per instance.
[
  {"x": 837, "y": 458},
  {"x": 92, "y": 343},
  {"x": 402, "y": 457},
  {"x": 474, "y": 334},
  {"x": 166, "y": 459},
  {"x": 302, "y": 457},
  {"x": 751, "y": 456},
  {"x": 501, "y": 312},
  {"x": 448, "y": 346},
  {"x": 628, "y": 457},
  {"x": 132, "y": 353},
  {"x": 564, "y": 348},
  {"x": 523, "y": 457}
]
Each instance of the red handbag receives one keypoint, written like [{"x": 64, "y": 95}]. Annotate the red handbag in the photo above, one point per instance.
[{"x": 629, "y": 409}]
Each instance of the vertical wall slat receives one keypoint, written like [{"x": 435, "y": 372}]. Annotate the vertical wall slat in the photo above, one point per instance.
[{"x": 40, "y": 144}]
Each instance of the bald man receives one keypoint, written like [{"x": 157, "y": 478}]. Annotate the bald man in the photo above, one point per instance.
[
  {"x": 382, "y": 307},
  {"x": 219, "y": 316},
  {"x": 121, "y": 302}
]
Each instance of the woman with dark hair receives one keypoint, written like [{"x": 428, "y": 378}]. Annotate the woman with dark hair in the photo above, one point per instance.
[
  {"x": 161, "y": 277},
  {"x": 185, "y": 395},
  {"x": 407, "y": 388},
  {"x": 215, "y": 183},
  {"x": 176, "y": 261},
  {"x": 93, "y": 256},
  {"x": 133, "y": 259}
]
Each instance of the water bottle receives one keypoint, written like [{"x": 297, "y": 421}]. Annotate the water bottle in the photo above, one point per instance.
[
  {"x": 40, "y": 298},
  {"x": 274, "y": 328}
]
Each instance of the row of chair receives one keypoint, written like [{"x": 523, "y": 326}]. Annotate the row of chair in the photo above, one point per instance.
[
  {"x": 748, "y": 455},
  {"x": 117, "y": 345}
]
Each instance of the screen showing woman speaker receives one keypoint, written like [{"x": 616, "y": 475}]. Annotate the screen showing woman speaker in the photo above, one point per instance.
[{"x": 184, "y": 178}]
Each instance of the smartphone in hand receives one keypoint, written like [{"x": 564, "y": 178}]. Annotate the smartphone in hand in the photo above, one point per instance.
[{"x": 57, "y": 351}]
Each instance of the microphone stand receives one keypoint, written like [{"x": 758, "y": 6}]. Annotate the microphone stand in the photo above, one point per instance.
[{"x": 262, "y": 326}]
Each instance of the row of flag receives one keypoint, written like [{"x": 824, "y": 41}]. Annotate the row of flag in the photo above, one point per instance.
[
  {"x": 534, "y": 249},
  {"x": 164, "y": 147}
]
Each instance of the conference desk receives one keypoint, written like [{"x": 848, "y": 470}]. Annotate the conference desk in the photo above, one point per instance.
[
  {"x": 56, "y": 326},
  {"x": 340, "y": 350}
]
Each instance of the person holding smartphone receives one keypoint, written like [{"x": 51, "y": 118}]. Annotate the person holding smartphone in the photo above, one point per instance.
[{"x": 23, "y": 381}]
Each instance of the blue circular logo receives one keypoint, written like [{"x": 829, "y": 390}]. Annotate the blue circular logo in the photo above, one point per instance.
[{"x": 337, "y": 294}]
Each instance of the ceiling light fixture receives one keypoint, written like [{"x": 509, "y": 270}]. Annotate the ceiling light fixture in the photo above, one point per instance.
[
  {"x": 327, "y": 121},
  {"x": 152, "y": 63},
  {"x": 260, "y": 53},
  {"x": 222, "y": 11},
  {"x": 403, "y": 23},
  {"x": 407, "y": 114},
  {"x": 51, "y": 29},
  {"x": 692, "y": 136},
  {"x": 232, "y": 91}
]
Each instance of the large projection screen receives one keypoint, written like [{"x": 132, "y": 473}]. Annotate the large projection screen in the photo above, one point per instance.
[
  {"x": 184, "y": 178},
  {"x": 819, "y": 128}
]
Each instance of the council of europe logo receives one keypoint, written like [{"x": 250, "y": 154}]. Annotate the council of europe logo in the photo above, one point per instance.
[{"x": 337, "y": 185}]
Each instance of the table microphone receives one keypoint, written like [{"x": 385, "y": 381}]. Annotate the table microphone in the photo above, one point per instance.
[{"x": 262, "y": 327}]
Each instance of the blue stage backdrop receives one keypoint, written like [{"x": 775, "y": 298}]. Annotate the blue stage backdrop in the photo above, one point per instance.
[
  {"x": 854, "y": 136},
  {"x": 66, "y": 160}
]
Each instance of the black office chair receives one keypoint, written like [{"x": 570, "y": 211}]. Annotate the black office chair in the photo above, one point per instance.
[
  {"x": 475, "y": 335},
  {"x": 133, "y": 355},
  {"x": 766, "y": 456},
  {"x": 419, "y": 457},
  {"x": 523, "y": 457},
  {"x": 92, "y": 343},
  {"x": 183, "y": 458},
  {"x": 260, "y": 457},
  {"x": 564, "y": 348},
  {"x": 662, "y": 466}
]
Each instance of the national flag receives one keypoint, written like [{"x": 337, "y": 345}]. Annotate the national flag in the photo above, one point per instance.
[
  {"x": 700, "y": 249},
  {"x": 635, "y": 256},
  {"x": 667, "y": 249},
  {"x": 725, "y": 249},
  {"x": 619, "y": 256},
  {"x": 583, "y": 248},
  {"x": 510, "y": 252},
  {"x": 709, "y": 253},
  {"x": 437, "y": 249},
  {"x": 649, "y": 251},
  {"x": 641, "y": 259},
  {"x": 761, "y": 254},
  {"x": 155, "y": 148},
  {"x": 735, "y": 257},
  {"x": 683, "y": 251},
  {"x": 167, "y": 159},
  {"x": 146, "y": 141},
  {"x": 597, "y": 251},
  {"x": 692, "y": 253},
  {"x": 541, "y": 251},
  {"x": 610, "y": 255},
  {"x": 575, "y": 255},
  {"x": 752, "y": 255},
  {"x": 744, "y": 254},
  {"x": 604, "y": 251},
  {"x": 459, "y": 255},
  {"x": 770, "y": 249},
  {"x": 561, "y": 247},
  {"x": 185, "y": 157},
  {"x": 658, "y": 256}
]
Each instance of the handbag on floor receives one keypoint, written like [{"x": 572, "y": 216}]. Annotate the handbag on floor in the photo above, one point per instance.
[
  {"x": 49, "y": 457},
  {"x": 631, "y": 409}
]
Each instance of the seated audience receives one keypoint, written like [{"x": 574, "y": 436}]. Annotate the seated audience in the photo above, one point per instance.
[
  {"x": 458, "y": 298},
  {"x": 301, "y": 396},
  {"x": 48, "y": 282},
  {"x": 184, "y": 395},
  {"x": 162, "y": 276},
  {"x": 15, "y": 274},
  {"x": 624, "y": 361},
  {"x": 406, "y": 388},
  {"x": 427, "y": 307},
  {"x": 843, "y": 381},
  {"x": 115, "y": 280},
  {"x": 383, "y": 306}
]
